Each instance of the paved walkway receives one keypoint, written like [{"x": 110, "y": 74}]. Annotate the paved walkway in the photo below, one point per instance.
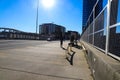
[{"x": 42, "y": 62}]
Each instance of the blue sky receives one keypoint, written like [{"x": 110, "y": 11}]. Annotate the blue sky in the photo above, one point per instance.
[{"x": 21, "y": 14}]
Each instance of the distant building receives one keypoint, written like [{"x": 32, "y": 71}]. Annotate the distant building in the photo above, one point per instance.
[
  {"x": 69, "y": 33},
  {"x": 49, "y": 29}
]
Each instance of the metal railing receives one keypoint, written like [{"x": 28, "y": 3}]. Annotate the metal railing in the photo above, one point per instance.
[
  {"x": 103, "y": 32},
  {"x": 8, "y": 33}
]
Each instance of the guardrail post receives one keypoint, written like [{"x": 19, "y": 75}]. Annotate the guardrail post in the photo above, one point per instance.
[{"x": 108, "y": 24}]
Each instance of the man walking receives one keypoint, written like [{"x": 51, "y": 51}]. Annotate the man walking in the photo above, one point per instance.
[{"x": 61, "y": 40}]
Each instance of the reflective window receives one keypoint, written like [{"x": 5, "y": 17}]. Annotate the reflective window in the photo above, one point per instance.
[
  {"x": 100, "y": 22},
  {"x": 104, "y": 3},
  {"x": 118, "y": 17},
  {"x": 105, "y": 18},
  {"x": 98, "y": 8},
  {"x": 114, "y": 12},
  {"x": 114, "y": 41},
  {"x": 118, "y": 30}
]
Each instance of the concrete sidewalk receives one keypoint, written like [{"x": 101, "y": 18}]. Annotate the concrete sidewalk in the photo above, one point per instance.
[{"x": 43, "y": 62}]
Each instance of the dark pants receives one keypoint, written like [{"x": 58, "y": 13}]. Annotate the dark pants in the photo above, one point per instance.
[{"x": 61, "y": 43}]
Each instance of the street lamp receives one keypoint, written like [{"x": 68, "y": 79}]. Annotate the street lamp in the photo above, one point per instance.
[{"x": 37, "y": 16}]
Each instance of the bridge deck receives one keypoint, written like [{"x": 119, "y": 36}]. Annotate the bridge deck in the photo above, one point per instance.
[{"x": 40, "y": 60}]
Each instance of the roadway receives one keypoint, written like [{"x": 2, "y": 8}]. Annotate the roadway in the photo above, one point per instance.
[
  {"x": 40, "y": 60},
  {"x": 11, "y": 44}
]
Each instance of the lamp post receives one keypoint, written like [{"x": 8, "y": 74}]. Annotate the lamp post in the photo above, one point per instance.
[{"x": 37, "y": 16}]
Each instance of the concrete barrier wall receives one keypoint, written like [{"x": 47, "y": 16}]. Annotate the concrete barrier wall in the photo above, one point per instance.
[{"x": 103, "y": 67}]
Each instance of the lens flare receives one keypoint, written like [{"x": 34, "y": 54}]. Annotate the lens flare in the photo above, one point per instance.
[{"x": 48, "y": 3}]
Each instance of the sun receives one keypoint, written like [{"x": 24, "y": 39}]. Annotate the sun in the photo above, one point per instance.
[{"x": 48, "y": 3}]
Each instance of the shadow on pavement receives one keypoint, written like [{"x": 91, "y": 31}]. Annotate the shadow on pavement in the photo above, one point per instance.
[
  {"x": 70, "y": 56},
  {"x": 77, "y": 46},
  {"x": 70, "y": 53}
]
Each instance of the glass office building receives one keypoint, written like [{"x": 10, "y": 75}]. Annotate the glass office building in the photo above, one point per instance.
[
  {"x": 88, "y": 11},
  {"x": 50, "y": 28}
]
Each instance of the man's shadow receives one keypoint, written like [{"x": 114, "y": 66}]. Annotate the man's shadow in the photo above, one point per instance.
[
  {"x": 77, "y": 46},
  {"x": 70, "y": 54},
  {"x": 69, "y": 57}
]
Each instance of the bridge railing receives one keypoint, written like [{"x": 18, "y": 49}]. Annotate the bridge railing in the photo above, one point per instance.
[
  {"x": 103, "y": 32},
  {"x": 8, "y": 33}
]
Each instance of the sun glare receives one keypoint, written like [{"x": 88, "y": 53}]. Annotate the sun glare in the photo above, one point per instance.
[{"x": 48, "y": 3}]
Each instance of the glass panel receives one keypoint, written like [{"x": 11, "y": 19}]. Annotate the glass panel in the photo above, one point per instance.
[
  {"x": 100, "y": 22},
  {"x": 114, "y": 43},
  {"x": 87, "y": 38},
  {"x": 91, "y": 39},
  {"x": 91, "y": 18},
  {"x": 114, "y": 12},
  {"x": 100, "y": 40},
  {"x": 91, "y": 28},
  {"x": 88, "y": 29},
  {"x": 105, "y": 18},
  {"x": 104, "y": 3},
  {"x": 118, "y": 30},
  {"x": 118, "y": 17},
  {"x": 98, "y": 8}
]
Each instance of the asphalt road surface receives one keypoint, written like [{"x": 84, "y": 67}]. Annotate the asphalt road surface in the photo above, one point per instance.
[
  {"x": 11, "y": 44},
  {"x": 40, "y": 60}
]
